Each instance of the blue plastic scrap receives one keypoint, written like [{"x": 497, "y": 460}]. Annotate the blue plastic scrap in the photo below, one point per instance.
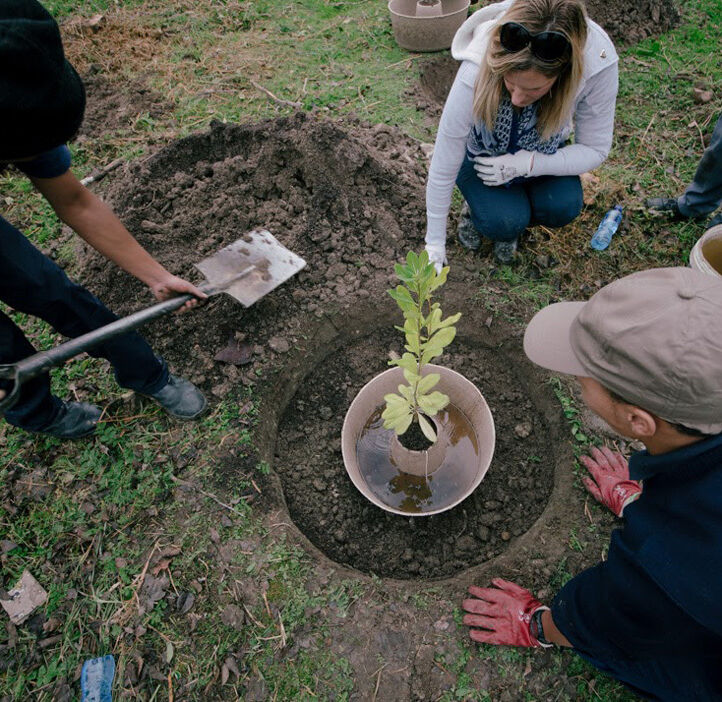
[{"x": 96, "y": 679}]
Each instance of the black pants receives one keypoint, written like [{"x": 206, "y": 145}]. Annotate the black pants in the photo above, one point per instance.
[{"x": 31, "y": 283}]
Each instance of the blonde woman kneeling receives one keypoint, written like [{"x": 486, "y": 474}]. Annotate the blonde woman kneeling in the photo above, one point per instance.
[{"x": 531, "y": 71}]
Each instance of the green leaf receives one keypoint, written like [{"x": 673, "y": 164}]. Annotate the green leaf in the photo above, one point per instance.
[
  {"x": 427, "y": 382},
  {"x": 440, "y": 278},
  {"x": 432, "y": 403},
  {"x": 427, "y": 428},
  {"x": 413, "y": 343},
  {"x": 407, "y": 361},
  {"x": 451, "y": 319},
  {"x": 433, "y": 321},
  {"x": 399, "y": 424},
  {"x": 407, "y": 392},
  {"x": 443, "y": 337},
  {"x": 392, "y": 400},
  {"x": 411, "y": 376},
  {"x": 403, "y": 299}
]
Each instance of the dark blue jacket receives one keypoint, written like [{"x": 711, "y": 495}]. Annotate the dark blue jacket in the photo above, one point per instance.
[{"x": 651, "y": 614}]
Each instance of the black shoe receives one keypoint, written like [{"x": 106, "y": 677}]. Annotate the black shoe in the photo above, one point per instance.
[
  {"x": 667, "y": 205},
  {"x": 75, "y": 420},
  {"x": 180, "y": 398},
  {"x": 715, "y": 221},
  {"x": 504, "y": 251},
  {"x": 466, "y": 231}
]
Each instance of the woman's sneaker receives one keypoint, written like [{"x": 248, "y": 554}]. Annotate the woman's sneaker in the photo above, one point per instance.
[
  {"x": 504, "y": 251},
  {"x": 180, "y": 398},
  {"x": 466, "y": 231}
]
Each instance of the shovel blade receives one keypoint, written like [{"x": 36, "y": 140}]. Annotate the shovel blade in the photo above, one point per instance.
[{"x": 250, "y": 267}]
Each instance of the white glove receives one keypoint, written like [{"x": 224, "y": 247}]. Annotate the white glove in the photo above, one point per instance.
[
  {"x": 497, "y": 170},
  {"x": 437, "y": 255}
]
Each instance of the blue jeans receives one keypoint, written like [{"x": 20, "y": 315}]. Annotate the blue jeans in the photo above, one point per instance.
[
  {"x": 31, "y": 283},
  {"x": 705, "y": 193},
  {"x": 503, "y": 212}
]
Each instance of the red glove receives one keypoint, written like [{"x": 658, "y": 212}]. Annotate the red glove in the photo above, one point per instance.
[
  {"x": 612, "y": 485},
  {"x": 502, "y": 614}
]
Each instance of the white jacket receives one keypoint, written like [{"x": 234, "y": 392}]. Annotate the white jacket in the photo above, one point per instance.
[{"x": 592, "y": 118}]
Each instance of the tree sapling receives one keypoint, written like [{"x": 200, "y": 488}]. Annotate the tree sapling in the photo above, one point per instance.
[{"x": 427, "y": 334}]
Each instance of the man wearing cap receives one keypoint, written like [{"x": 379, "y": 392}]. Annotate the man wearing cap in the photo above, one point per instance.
[
  {"x": 43, "y": 101},
  {"x": 647, "y": 352}
]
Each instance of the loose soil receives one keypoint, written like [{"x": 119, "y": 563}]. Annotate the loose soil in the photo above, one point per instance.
[
  {"x": 343, "y": 524},
  {"x": 350, "y": 201}
]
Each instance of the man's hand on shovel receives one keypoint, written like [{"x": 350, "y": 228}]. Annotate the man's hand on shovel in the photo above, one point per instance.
[{"x": 171, "y": 286}]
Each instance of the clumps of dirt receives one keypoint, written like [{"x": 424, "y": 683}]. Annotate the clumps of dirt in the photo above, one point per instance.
[
  {"x": 326, "y": 506},
  {"x": 112, "y": 107},
  {"x": 630, "y": 21},
  {"x": 349, "y": 200}
]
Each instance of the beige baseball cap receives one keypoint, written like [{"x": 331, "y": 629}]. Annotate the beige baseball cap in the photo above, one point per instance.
[{"x": 653, "y": 338}]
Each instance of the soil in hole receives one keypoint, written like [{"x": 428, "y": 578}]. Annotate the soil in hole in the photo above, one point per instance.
[
  {"x": 327, "y": 507},
  {"x": 414, "y": 439}
]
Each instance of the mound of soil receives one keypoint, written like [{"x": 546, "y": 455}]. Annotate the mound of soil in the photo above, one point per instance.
[
  {"x": 349, "y": 200},
  {"x": 629, "y": 21},
  {"x": 327, "y": 507}
]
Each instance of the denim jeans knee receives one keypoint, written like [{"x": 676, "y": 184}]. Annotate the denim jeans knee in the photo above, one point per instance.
[{"x": 555, "y": 200}]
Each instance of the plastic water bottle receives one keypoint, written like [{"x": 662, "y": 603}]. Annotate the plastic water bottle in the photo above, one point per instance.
[
  {"x": 96, "y": 679},
  {"x": 606, "y": 228}
]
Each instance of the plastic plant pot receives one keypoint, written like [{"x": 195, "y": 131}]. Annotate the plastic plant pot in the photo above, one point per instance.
[
  {"x": 706, "y": 255},
  {"x": 431, "y": 30},
  {"x": 463, "y": 395}
]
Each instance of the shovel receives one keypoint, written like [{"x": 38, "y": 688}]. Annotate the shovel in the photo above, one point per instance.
[{"x": 246, "y": 270}]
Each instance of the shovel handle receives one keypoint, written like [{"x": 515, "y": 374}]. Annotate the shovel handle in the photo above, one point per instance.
[{"x": 43, "y": 361}]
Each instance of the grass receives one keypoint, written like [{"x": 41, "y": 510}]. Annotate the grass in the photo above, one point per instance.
[{"x": 87, "y": 516}]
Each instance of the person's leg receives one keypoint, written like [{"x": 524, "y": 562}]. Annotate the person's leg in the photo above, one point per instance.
[
  {"x": 704, "y": 194},
  {"x": 555, "y": 200},
  {"x": 31, "y": 283},
  {"x": 36, "y": 407},
  {"x": 498, "y": 213}
]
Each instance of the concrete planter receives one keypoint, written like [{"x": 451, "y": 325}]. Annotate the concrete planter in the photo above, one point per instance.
[
  {"x": 419, "y": 27},
  {"x": 463, "y": 394}
]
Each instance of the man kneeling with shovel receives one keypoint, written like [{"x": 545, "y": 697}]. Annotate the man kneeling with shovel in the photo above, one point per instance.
[
  {"x": 647, "y": 352},
  {"x": 42, "y": 103}
]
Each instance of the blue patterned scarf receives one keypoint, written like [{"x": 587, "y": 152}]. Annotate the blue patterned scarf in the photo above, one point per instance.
[{"x": 482, "y": 142}]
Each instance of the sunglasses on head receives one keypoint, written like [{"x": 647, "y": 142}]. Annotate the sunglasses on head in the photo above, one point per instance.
[{"x": 546, "y": 46}]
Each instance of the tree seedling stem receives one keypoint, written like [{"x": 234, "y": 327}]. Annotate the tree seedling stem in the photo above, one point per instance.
[{"x": 427, "y": 335}]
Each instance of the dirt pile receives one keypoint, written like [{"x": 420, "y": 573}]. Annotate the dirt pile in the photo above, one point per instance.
[{"x": 348, "y": 200}]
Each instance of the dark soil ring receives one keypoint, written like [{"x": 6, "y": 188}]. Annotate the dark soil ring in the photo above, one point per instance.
[{"x": 327, "y": 507}]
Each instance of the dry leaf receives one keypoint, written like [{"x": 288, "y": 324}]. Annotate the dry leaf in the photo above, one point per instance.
[
  {"x": 185, "y": 602},
  {"x": 230, "y": 664}
]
